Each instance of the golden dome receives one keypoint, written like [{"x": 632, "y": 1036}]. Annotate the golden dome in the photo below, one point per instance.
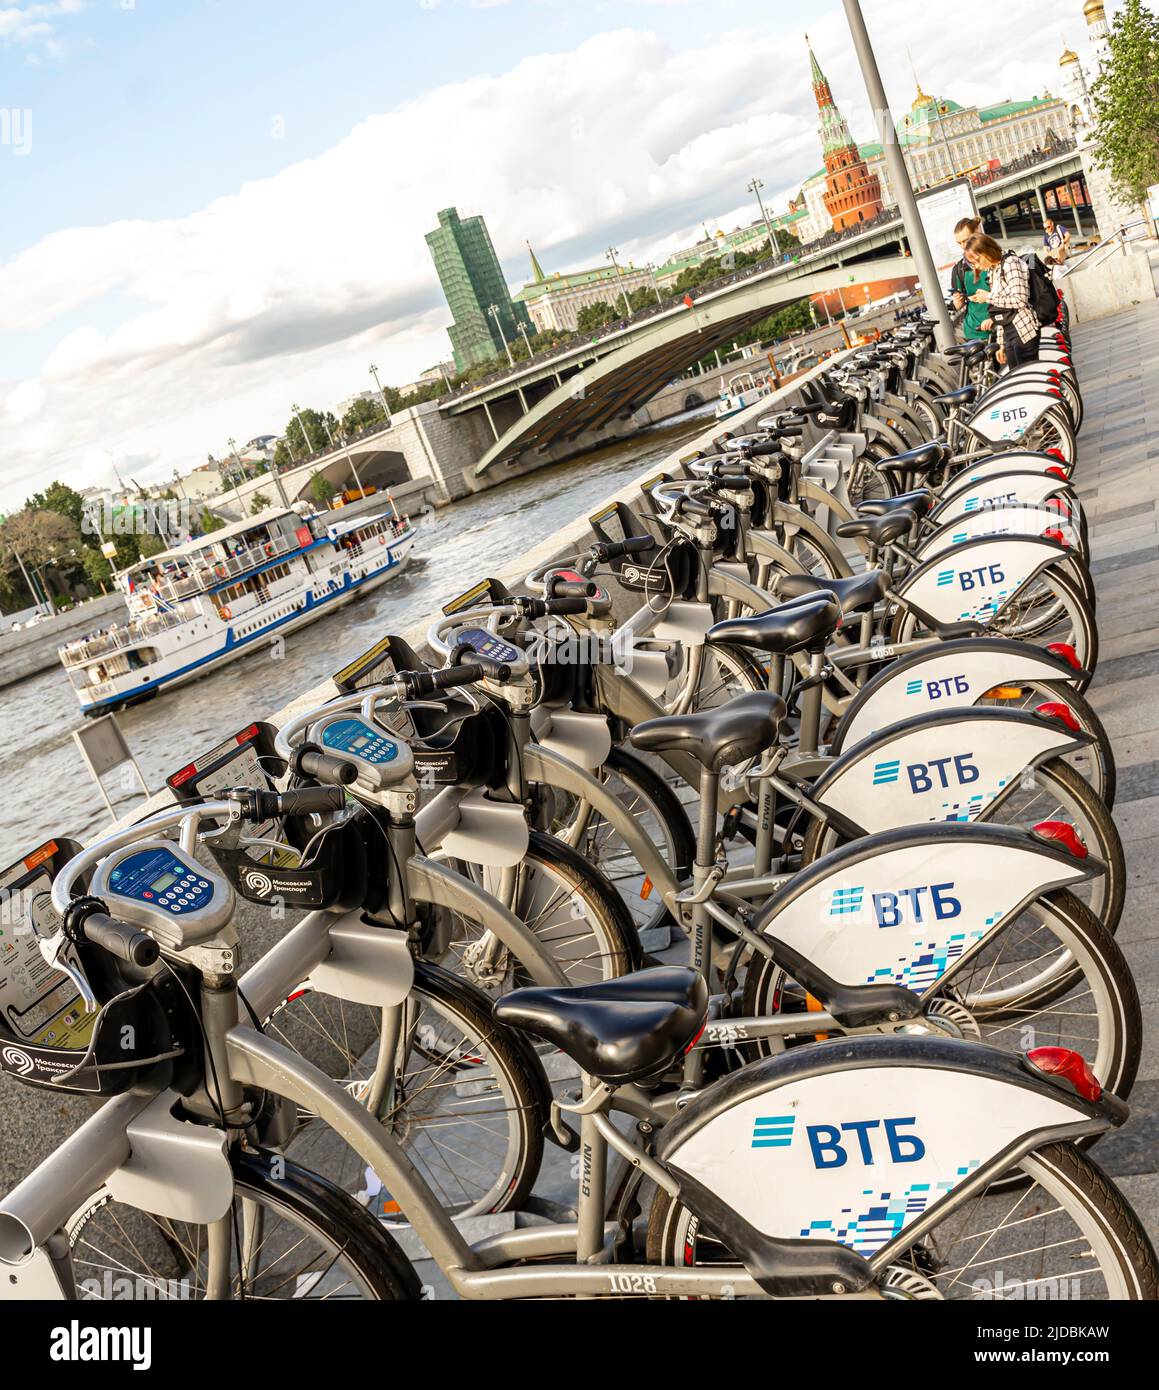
[
  {"x": 921, "y": 99},
  {"x": 1069, "y": 56},
  {"x": 1094, "y": 9}
]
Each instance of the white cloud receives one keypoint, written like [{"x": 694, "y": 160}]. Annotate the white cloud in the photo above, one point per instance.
[
  {"x": 35, "y": 23},
  {"x": 287, "y": 288}
]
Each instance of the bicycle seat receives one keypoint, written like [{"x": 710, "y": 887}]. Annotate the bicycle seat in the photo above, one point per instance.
[
  {"x": 964, "y": 395},
  {"x": 975, "y": 348},
  {"x": 858, "y": 591},
  {"x": 621, "y": 1030},
  {"x": 790, "y": 627},
  {"x": 919, "y": 460},
  {"x": 717, "y": 738},
  {"x": 879, "y": 530},
  {"x": 920, "y": 502}
]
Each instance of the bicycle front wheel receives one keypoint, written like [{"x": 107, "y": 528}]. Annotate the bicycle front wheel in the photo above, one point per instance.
[{"x": 290, "y": 1234}]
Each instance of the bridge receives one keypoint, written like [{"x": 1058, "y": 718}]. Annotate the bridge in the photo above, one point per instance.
[{"x": 565, "y": 401}]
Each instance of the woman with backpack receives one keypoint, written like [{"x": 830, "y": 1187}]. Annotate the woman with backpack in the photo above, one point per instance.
[{"x": 1009, "y": 298}]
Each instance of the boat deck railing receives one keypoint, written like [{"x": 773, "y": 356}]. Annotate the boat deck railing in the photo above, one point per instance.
[
  {"x": 210, "y": 574},
  {"x": 119, "y": 638}
]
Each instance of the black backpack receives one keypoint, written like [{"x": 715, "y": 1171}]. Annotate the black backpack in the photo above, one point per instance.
[{"x": 1043, "y": 295}]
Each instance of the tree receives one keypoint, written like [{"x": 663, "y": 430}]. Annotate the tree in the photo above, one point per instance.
[
  {"x": 60, "y": 498},
  {"x": 364, "y": 414},
  {"x": 39, "y": 535},
  {"x": 1126, "y": 101},
  {"x": 98, "y": 571},
  {"x": 321, "y": 489},
  {"x": 317, "y": 423},
  {"x": 209, "y": 521},
  {"x": 259, "y": 503},
  {"x": 593, "y": 316}
]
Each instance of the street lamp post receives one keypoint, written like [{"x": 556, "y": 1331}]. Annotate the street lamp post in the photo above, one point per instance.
[
  {"x": 526, "y": 341},
  {"x": 620, "y": 277},
  {"x": 655, "y": 286},
  {"x": 382, "y": 394},
  {"x": 898, "y": 174},
  {"x": 755, "y": 187},
  {"x": 32, "y": 589},
  {"x": 297, "y": 409},
  {"x": 494, "y": 312},
  {"x": 241, "y": 471},
  {"x": 349, "y": 456}
]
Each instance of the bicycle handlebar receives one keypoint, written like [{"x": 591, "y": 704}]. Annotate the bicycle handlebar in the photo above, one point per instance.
[{"x": 126, "y": 942}]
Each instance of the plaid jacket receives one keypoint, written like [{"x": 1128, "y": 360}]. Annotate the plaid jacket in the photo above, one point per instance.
[{"x": 1010, "y": 291}]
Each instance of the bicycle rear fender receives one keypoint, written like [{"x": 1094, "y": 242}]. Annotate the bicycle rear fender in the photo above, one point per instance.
[
  {"x": 906, "y": 907},
  {"x": 867, "y": 1140},
  {"x": 978, "y": 577},
  {"x": 1014, "y": 519},
  {"x": 1007, "y": 461},
  {"x": 946, "y": 766},
  {"x": 1025, "y": 486},
  {"x": 1012, "y": 416},
  {"x": 945, "y": 675}
]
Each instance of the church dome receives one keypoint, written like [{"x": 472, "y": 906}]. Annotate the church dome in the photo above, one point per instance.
[
  {"x": 1069, "y": 56},
  {"x": 1094, "y": 9}
]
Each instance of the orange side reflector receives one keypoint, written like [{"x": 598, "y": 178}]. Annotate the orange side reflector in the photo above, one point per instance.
[
  {"x": 1004, "y": 692},
  {"x": 646, "y": 888},
  {"x": 815, "y": 1006}
]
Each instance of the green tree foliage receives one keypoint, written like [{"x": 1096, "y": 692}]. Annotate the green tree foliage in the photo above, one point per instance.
[
  {"x": 365, "y": 413},
  {"x": 594, "y": 316},
  {"x": 209, "y": 521},
  {"x": 259, "y": 503},
  {"x": 1126, "y": 99},
  {"x": 60, "y": 498},
  {"x": 321, "y": 489}
]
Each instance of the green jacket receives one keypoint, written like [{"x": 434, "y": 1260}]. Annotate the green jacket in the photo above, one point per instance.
[{"x": 966, "y": 281}]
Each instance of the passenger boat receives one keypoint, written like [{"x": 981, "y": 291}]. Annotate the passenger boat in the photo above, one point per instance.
[
  {"x": 743, "y": 390},
  {"x": 216, "y": 598}
]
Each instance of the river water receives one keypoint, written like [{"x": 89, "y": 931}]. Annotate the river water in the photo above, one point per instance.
[{"x": 45, "y": 788}]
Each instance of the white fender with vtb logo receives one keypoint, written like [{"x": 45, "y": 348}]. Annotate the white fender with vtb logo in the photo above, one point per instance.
[
  {"x": 907, "y": 907},
  {"x": 948, "y": 766},
  {"x": 856, "y": 1148},
  {"x": 978, "y": 577},
  {"x": 950, "y": 675}
]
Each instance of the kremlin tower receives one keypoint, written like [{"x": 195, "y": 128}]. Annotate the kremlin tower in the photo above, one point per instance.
[{"x": 853, "y": 193}]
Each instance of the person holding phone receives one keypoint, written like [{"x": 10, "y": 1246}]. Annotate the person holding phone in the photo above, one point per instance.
[
  {"x": 1007, "y": 298},
  {"x": 965, "y": 281}
]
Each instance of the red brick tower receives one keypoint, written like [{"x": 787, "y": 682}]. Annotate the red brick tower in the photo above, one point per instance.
[{"x": 854, "y": 193}]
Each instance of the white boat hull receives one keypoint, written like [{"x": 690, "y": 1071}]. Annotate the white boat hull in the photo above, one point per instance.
[{"x": 252, "y": 632}]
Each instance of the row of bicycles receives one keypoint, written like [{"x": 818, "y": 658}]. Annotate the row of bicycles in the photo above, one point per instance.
[{"x": 752, "y": 872}]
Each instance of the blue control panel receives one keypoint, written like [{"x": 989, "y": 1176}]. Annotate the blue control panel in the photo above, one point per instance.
[
  {"x": 359, "y": 740},
  {"x": 487, "y": 644},
  {"x": 159, "y": 878}
]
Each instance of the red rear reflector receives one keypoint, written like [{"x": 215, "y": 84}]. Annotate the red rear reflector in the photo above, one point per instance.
[
  {"x": 1066, "y": 652},
  {"x": 1057, "y": 453},
  {"x": 1057, "y": 472},
  {"x": 1052, "y": 533},
  {"x": 1061, "y": 832},
  {"x": 1058, "y": 710},
  {"x": 1070, "y": 1066}
]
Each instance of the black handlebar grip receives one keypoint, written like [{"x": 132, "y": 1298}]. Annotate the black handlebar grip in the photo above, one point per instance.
[
  {"x": 127, "y": 943},
  {"x": 693, "y": 507},
  {"x": 304, "y": 801},
  {"x": 731, "y": 480},
  {"x": 561, "y": 607},
  {"x": 487, "y": 666},
  {"x": 636, "y": 545},
  {"x": 770, "y": 446},
  {"x": 451, "y": 676},
  {"x": 572, "y": 588},
  {"x": 312, "y": 762}
]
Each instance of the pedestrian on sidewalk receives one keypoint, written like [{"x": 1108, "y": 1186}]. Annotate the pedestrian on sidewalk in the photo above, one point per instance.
[
  {"x": 965, "y": 281},
  {"x": 1008, "y": 298}
]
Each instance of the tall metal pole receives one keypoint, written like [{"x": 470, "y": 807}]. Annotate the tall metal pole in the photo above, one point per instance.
[
  {"x": 241, "y": 470},
  {"x": 656, "y": 287},
  {"x": 382, "y": 393},
  {"x": 620, "y": 276},
  {"x": 755, "y": 187},
  {"x": 899, "y": 176},
  {"x": 349, "y": 456},
  {"x": 32, "y": 589},
  {"x": 494, "y": 312}
]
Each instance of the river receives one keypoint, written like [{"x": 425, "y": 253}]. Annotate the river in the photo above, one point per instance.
[{"x": 45, "y": 788}]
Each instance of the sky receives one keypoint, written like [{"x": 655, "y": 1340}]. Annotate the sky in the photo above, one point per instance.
[{"x": 212, "y": 210}]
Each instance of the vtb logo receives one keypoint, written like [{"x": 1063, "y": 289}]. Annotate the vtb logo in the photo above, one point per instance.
[
  {"x": 924, "y": 902},
  {"x": 954, "y": 770},
  {"x": 835, "y": 1145}
]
